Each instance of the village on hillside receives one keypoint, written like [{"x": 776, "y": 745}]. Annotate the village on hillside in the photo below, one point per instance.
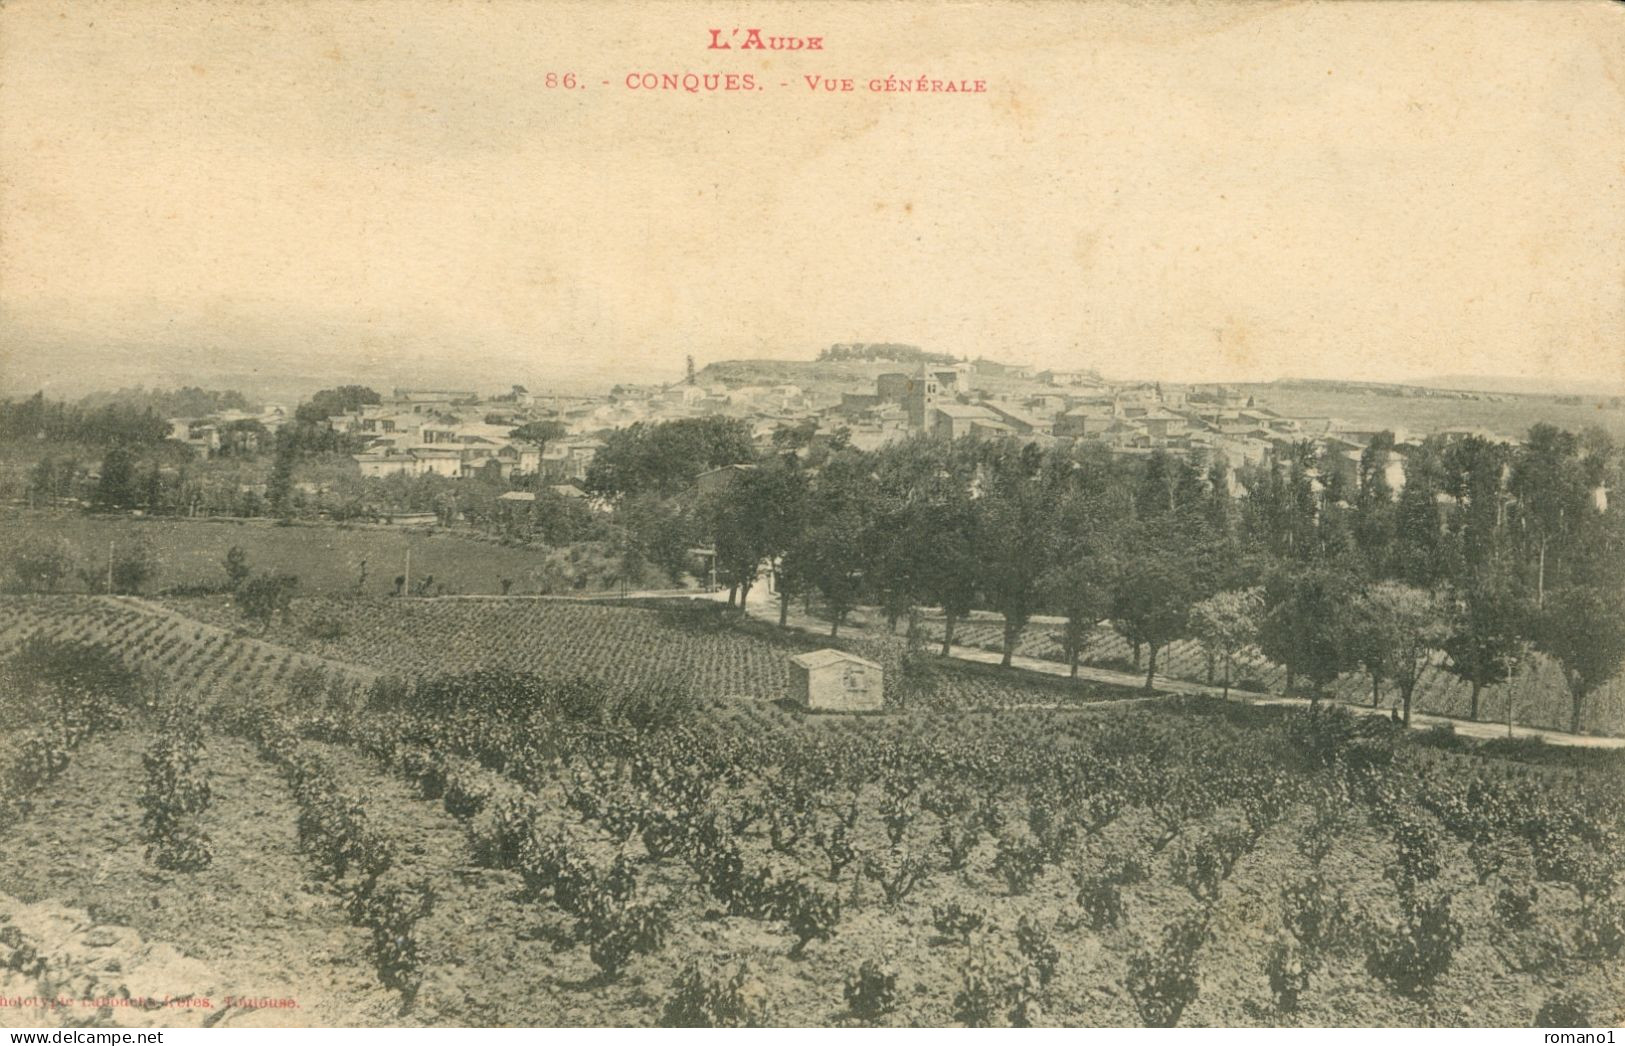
[{"x": 458, "y": 433}]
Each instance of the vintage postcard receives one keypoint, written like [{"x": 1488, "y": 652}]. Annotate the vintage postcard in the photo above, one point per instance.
[{"x": 834, "y": 515}]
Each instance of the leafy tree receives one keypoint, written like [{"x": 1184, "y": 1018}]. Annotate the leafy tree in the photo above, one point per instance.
[
  {"x": 665, "y": 457},
  {"x": 1226, "y": 622},
  {"x": 1474, "y": 471},
  {"x": 133, "y": 566},
  {"x": 927, "y": 550},
  {"x": 657, "y": 532},
  {"x": 40, "y": 563},
  {"x": 116, "y": 487},
  {"x": 126, "y": 570},
  {"x": 1583, "y": 628},
  {"x": 827, "y": 549},
  {"x": 151, "y": 490},
  {"x": 51, "y": 479},
  {"x": 279, "y": 487},
  {"x": 754, "y": 520},
  {"x": 330, "y": 403},
  {"x": 237, "y": 569},
  {"x": 1374, "y": 500},
  {"x": 1304, "y": 626},
  {"x": 1167, "y": 484},
  {"x": 1419, "y": 546},
  {"x": 794, "y": 437},
  {"x": 540, "y": 433},
  {"x": 949, "y": 579},
  {"x": 1083, "y": 592},
  {"x": 1014, "y": 519},
  {"x": 1548, "y": 485},
  {"x": 1152, "y": 602},
  {"x": 1398, "y": 628},
  {"x": 111, "y": 424},
  {"x": 1490, "y": 623},
  {"x": 263, "y": 597}
]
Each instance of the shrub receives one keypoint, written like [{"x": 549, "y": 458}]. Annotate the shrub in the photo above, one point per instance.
[
  {"x": 872, "y": 991},
  {"x": 1162, "y": 978},
  {"x": 1602, "y": 928},
  {"x": 616, "y": 931},
  {"x": 1565, "y": 1009},
  {"x": 1101, "y": 899},
  {"x": 1515, "y": 904},
  {"x": 1417, "y": 846},
  {"x": 183, "y": 848},
  {"x": 40, "y": 564},
  {"x": 898, "y": 874},
  {"x": 18, "y": 954},
  {"x": 1037, "y": 948},
  {"x": 978, "y": 1002},
  {"x": 701, "y": 1001},
  {"x": 1053, "y": 828},
  {"x": 174, "y": 792},
  {"x": 1563, "y": 857},
  {"x": 266, "y": 596},
  {"x": 1197, "y": 867},
  {"x": 466, "y": 793},
  {"x": 898, "y": 812},
  {"x": 237, "y": 568},
  {"x": 1100, "y": 808},
  {"x": 811, "y": 913},
  {"x": 837, "y": 849},
  {"x": 1288, "y": 975},
  {"x": 958, "y": 838},
  {"x": 40, "y": 757},
  {"x": 1415, "y": 952},
  {"x": 956, "y": 922},
  {"x": 392, "y": 910},
  {"x": 327, "y": 628},
  {"x": 1315, "y": 913},
  {"x": 497, "y": 837},
  {"x": 1489, "y": 856},
  {"x": 1018, "y": 862}
]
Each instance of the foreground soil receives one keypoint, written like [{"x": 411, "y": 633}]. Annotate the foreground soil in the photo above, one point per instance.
[
  {"x": 253, "y": 919},
  {"x": 256, "y": 926}
]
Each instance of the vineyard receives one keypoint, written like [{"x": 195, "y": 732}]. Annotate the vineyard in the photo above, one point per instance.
[
  {"x": 210, "y": 661},
  {"x": 714, "y": 655},
  {"x": 489, "y": 846}
]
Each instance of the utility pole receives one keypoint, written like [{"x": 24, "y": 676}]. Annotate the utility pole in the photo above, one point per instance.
[
  {"x": 109, "y": 567},
  {"x": 406, "y": 589}
]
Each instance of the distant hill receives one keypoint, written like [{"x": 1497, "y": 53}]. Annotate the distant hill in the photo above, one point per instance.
[
  {"x": 1524, "y": 386},
  {"x": 809, "y": 374},
  {"x": 1452, "y": 385},
  {"x": 1419, "y": 409}
]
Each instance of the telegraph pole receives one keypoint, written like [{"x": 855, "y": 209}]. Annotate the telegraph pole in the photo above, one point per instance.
[
  {"x": 110, "y": 567},
  {"x": 406, "y": 589}
]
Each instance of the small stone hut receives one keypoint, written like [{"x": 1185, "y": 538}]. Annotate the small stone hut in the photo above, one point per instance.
[{"x": 835, "y": 681}]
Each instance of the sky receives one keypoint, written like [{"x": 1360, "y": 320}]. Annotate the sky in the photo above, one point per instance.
[{"x": 1236, "y": 191}]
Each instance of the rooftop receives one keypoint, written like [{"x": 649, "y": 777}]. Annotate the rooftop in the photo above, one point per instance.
[{"x": 830, "y": 656}]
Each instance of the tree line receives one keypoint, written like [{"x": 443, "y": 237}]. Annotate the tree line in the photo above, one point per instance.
[{"x": 1485, "y": 552}]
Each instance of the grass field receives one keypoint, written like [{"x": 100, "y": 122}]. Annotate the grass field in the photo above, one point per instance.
[{"x": 327, "y": 559}]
